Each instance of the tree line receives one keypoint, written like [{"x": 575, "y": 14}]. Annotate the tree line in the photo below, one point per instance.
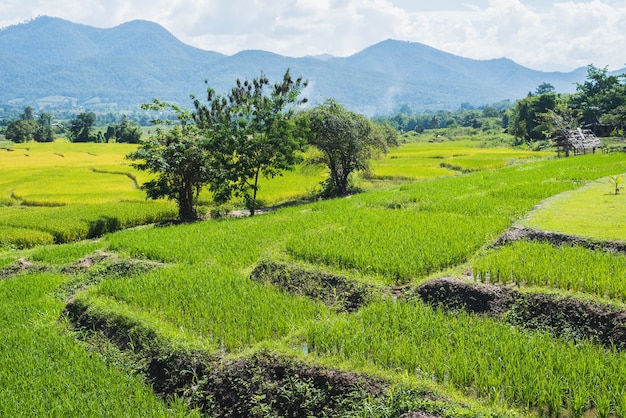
[
  {"x": 599, "y": 104},
  {"x": 226, "y": 143},
  {"x": 28, "y": 127},
  {"x": 483, "y": 117}
]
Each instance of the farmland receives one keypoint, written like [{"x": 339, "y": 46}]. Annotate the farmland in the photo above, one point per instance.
[{"x": 116, "y": 307}]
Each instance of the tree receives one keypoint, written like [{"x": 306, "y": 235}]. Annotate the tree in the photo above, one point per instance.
[
  {"x": 80, "y": 127},
  {"x": 616, "y": 117},
  {"x": 27, "y": 114},
  {"x": 256, "y": 132},
  {"x": 558, "y": 121},
  {"x": 544, "y": 88},
  {"x": 27, "y": 129},
  {"x": 109, "y": 135},
  {"x": 346, "y": 141},
  {"x": 386, "y": 135},
  {"x": 44, "y": 132},
  {"x": 226, "y": 143},
  {"x": 180, "y": 157},
  {"x": 525, "y": 121},
  {"x": 600, "y": 94},
  {"x": 124, "y": 132},
  {"x": 21, "y": 131}
]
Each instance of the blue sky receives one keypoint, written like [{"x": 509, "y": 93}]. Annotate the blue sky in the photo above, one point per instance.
[{"x": 540, "y": 34}]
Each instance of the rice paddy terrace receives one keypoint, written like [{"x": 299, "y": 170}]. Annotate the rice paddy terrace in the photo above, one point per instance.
[{"x": 412, "y": 299}]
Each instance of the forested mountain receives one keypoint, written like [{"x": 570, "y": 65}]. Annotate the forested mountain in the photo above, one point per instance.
[{"x": 50, "y": 61}]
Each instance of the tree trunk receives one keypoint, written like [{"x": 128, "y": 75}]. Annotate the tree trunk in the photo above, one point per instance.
[
  {"x": 255, "y": 188},
  {"x": 186, "y": 211}
]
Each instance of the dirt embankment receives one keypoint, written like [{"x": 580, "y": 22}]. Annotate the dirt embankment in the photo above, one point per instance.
[
  {"x": 256, "y": 385},
  {"x": 517, "y": 233},
  {"x": 564, "y": 316},
  {"x": 335, "y": 291},
  {"x": 21, "y": 266}
]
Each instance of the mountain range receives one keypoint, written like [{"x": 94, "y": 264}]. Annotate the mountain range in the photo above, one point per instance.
[{"x": 51, "y": 62}]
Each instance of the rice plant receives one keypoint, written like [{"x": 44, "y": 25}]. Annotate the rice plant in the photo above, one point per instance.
[
  {"x": 572, "y": 268},
  {"x": 479, "y": 355},
  {"x": 220, "y": 306},
  {"x": 46, "y": 372}
]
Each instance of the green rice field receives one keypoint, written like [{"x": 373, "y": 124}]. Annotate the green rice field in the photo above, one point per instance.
[
  {"x": 443, "y": 207},
  {"x": 593, "y": 211}
]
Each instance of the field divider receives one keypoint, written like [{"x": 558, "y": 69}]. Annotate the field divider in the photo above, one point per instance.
[
  {"x": 518, "y": 233},
  {"x": 563, "y": 316},
  {"x": 217, "y": 383},
  {"x": 131, "y": 176}
]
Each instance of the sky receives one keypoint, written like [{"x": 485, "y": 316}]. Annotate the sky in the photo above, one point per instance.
[{"x": 548, "y": 35}]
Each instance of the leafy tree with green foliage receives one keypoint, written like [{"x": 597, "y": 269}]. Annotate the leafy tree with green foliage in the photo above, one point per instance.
[
  {"x": 557, "y": 121},
  {"x": 20, "y": 131},
  {"x": 386, "y": 135},
  {"x": 44, "y": 129},
  {"x": 599, "y": 95},
  {"x": 544, "y": 88},
  {"x": 347, "y": 141},
  {"x": 256, "y": 132},
  {"x": 26, "y": 128},
  {"x": 124, "y": 132},
  {"x": 180, "y": 156},
  {"x": 80, "y": 127},
  {"x": 109, "y": 135},
  {"x": 226, "y": 143},
  {"x": 525, "y": 122},
  {"x": 28, "y": 114},
  {"x": 616, "y": 117}
]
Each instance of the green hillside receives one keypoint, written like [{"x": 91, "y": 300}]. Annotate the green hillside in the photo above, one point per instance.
[{"x": 137, "y": 61}]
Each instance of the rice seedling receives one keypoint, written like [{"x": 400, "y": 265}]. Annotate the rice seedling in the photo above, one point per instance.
[
  {"x": 567, "y": 267},
  {"x": 23, "y": 237},
  {"x": 400, "y": 234},
  {"x": 479, "y": 355},
  {"x": 80, "y": 221},
  {"x": 421, "y": 160},
  {"x": 63, "y": 254},
  {"x": 224, "y": 308},
  {"x": 46, "y": 372}
]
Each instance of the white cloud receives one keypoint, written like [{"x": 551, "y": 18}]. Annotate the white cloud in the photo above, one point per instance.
[
  {"x": 537, "y": 33},
  {"x": 570, "y": 34}
]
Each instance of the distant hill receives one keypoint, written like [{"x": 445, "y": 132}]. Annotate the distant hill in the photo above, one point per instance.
[{"x": 54, "y": 62}]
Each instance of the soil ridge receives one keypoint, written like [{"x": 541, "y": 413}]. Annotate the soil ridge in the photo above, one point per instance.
[
  {"x": 333, "y": 290},
  {"x": 518, "y": 232},
  {"x": 564, "y": 316},
  {"x": 224, "y": 387}
]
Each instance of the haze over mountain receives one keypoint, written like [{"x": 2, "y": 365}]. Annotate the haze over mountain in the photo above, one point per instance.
[{"x": 50, "y": 61}]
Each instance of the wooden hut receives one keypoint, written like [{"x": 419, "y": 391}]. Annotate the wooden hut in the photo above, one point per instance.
[{"x": 577, "y": 140}]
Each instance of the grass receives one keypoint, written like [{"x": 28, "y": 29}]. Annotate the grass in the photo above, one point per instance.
[
  {"x": 17, "y": 237},
  {"x": 398, "y": 235},
  {"x": 46, "y": 372},
  {"x": 593, "y": 211},
  {"x": 222, "y": 307},
  {"x": 79, "y": 221},
  {"x": 60, "y": 192},
  {"x": 85, "y": 190}
]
